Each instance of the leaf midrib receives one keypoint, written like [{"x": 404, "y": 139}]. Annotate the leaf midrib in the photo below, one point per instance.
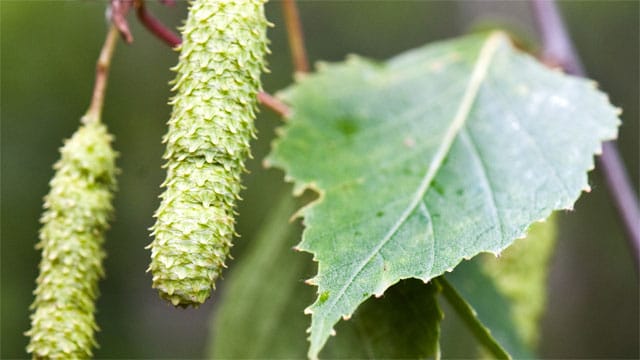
[{"x": 478, "y": 75}]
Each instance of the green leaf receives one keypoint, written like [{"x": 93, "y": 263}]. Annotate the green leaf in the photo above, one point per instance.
[
  {"x": 264, "y": 295},
  {"x": 473, "y": 323},
  {"x": 520, "y": 274},
  {"x": 490, "y": 307},
  {"x": 515, "y": 283},
  {"x": 403, "y": 324},
  {"x": 430, "y": 158},
  {"x": 264, "y": 298}
]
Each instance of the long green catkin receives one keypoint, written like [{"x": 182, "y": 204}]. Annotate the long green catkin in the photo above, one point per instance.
[
  {"x": 218, "y": 78},
  {"x": 77, "y": 210}
]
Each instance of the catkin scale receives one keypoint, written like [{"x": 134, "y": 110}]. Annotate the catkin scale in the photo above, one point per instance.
[
  {"x": 77, "y": 210},
  {"x": 218, "y": 78}
]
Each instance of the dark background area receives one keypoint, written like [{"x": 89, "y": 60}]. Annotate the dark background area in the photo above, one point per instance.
[{"x": 48, "y": 53}]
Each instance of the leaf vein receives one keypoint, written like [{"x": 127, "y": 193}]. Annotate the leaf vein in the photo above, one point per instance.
[
  {"x": 466, "y": 137},
  {"x": 431, "y": 233},
  {"x": 478, "y": 75}
]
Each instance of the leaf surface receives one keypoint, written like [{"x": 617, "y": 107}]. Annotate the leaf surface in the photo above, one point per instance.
[
  {"x": 260, "y": 314},
  {"x": 438, "y": 154},
  {"x": 402, "y": 324},
  {"x": 520, "y": 274},
  {"x": 515, "y": 284}
]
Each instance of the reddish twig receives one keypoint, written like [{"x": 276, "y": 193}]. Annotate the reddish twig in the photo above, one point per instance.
[
  {"x": 155, "y": 26},
  {"x": 274, "y": 104},
  {"x": 102, "y": 72},
  {"x": 296, "y": 37},
  {"x": 119, "y": 10},
  {"x": 558, "y": 48}
]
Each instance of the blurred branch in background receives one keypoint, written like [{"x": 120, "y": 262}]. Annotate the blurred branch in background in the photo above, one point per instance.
[
  {"x": 558, "y": 49},
  {"x": 296, "y": 36}
]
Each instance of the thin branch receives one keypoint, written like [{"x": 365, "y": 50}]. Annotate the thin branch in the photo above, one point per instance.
[
  {"x": 274, "y": 104},
  {"x": 558, "y": 48},
  {"x": 296, "y": 37},
  {"x": 622, "y": 194},
  {"x": 470, "y": 318},
  {"x": 119, "y": 10},
  {"x": 155, "y": 26},
  {"x": 102, "y": 73}
]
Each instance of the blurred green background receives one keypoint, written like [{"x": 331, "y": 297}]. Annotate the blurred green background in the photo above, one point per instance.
[{"x": 48, "y": 53}]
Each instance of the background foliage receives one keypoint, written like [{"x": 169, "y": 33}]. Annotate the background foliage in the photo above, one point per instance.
[{"x": 48, "y": 53}]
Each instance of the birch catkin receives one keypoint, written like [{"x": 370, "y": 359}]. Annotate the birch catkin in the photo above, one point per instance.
[
  {"x": 77, "y": 210},
  {"x": 218, "y": 77}
]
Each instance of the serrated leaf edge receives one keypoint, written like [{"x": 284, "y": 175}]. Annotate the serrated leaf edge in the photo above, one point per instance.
[{"x": 485, "y": 55}]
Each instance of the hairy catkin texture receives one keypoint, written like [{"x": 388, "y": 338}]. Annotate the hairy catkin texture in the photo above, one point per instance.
[
  {"x": 77, "y": 210},
  {"x": 218, "y": 78}
]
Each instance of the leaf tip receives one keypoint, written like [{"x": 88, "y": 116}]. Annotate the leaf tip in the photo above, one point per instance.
[
  {"x": 618, "y": 110},
  {"x": 300, "y": 76},
  {"x": 298, "y": 187},
  {"x": 319, "y": 65},
  {"x": 280, "y": 131},
  {"x": 308, "y": 311},
  {"x": 299, "y": 214},
  {"x": 352, "y": 58}
]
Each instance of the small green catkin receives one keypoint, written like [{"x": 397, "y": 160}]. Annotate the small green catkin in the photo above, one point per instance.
[
  {"x": 211, "y": 126},
  {"x": 77, "y": 210}
]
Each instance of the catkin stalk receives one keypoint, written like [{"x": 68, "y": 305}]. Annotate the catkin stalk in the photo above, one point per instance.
[
  {"x": 77, "y": 210},
  {"x": 218, "y": 77}
]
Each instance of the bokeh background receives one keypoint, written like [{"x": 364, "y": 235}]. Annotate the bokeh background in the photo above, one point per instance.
[{"x": 48, "y": 53}]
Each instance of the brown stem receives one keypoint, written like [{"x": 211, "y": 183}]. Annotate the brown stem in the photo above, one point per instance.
[
  {"x": 296, "y": 37},
  {"x": 558, "y": 48},
  {"x": 155, "y": 26},
  {"x": 102, "y": 73},
  {"x": 274, "y": 104}
]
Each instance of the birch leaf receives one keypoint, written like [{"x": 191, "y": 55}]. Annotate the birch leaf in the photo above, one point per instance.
[{"x": 432, "y": 157}]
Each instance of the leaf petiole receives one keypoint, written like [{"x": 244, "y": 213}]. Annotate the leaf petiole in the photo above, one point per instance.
[{"x": 470, "y": 319}]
